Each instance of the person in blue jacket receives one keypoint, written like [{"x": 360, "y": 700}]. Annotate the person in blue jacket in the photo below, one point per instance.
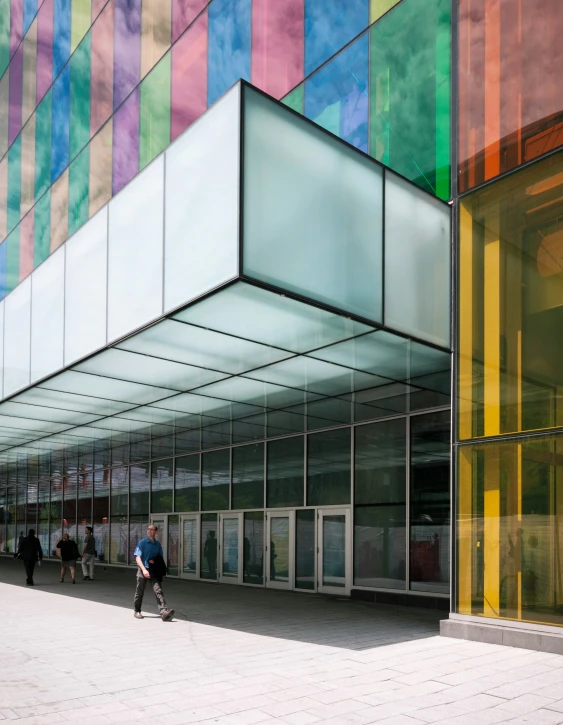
[{"x": 150, "y": 560}]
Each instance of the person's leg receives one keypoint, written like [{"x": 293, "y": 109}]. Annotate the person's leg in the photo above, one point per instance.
[
  {"x": 157, "y": 589},
  {"x": 72, "y": 573},
  {"x": 139, "y": 592},
  {"x": 91, "y": 563},
  {"x": 85, "y": 565},
  {"x": 28, "y": 575},
  {"x": 63, "y": 572}
]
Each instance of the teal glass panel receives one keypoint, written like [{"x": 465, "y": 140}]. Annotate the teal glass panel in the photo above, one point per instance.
[
  {"x": 155, "y": 112},
  {"x": 80, "y": 96},
  {"x": 215, "y": 480},
  {"x": 329, "y": 456},
  {"x": 329, "y": 25},
  {"x": 43, "y": 145},
  {"x": 253, "y": 548},
  {"x": 295, "y": 99},
  {"x": 4, "y": 35},
  {"x": 14, "y": 182},
  {"x": 285, "y": 472},
  {"x": 336, "y": 97},
  {"x": 305, "y": 549},
  {"x": 78, "y": 191},
  {"x": 42, "y": 231},
  {"x": 13, "y": 260},
  {"x": 410, "y": 93},
  {"x": 248, "y": 477},
  {"x": 186, "y": 483}
]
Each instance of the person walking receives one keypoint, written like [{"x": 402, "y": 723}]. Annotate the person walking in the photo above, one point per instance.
[
  {"x": 150, "y": 560},
  {"x": 68, "y": 551},
  {"x": 30, "y": 551},
  {"x": 88, "y": 555}
]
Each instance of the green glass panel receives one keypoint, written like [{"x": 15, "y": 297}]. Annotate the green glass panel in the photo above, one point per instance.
[
  {"x": 78, "y": 191},
  {"x": 155, "y": 112},
  {"x": 329, "y": 458},
  {"x": 14, "y": 182},
  {"x": 80, "y": 97},
  {"x": 295, "y": 99},
  {"x": 43, "y": 145},
  {"x": 248, "y": 476},
  {"x": 162, "y": 486},
  {"x": 410, "y": 93},
  {"x": 13, "y": 260},
  {"x": 215, "y": 480},
  {"x": 42, "y": 239},
  {"x": 285, "y": 472},
  {"x": 4, "y": 35}
]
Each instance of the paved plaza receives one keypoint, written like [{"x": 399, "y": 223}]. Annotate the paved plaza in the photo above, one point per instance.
[{"x": 240, "y": 656}]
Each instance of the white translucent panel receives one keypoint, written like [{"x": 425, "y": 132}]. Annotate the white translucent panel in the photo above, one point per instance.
[
  {"x": 47, "y": 316},
  {"x": 135, "y": 252},
  {"x": 149, "y": 414},
  {"x": 1, "y": 347},
  {"x": 312, "y": 211},
  {"x": 148, "y": 370},
  {"x": 202, "y": 204},
  {"x": 17, "y": 337},
  {"x": 71, "y": 401},
  {"x": 85, "y": 288},
  {"x": 417, "y": 262},
  {"x": 201, "y": 404},
  {"x": 25, "y": 424},
  {"x": 245, "y": 390},
  {"x": 270, "y": 318},
  {"x": 205, "y": 348},
  {"x": 41, "y": 412}
]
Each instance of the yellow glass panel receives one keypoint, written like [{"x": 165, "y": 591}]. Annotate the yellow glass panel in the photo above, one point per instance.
[
  {"x": 59, "y": 211},
  {"x": 80, "y": 23},
  {"x": 100, "y": 168},
  {"x": 29, "y": 71},
  {"x": 378, "y": 8},
  {"x": 28, "y": 166},
  {"x": 156, "y": 28}
]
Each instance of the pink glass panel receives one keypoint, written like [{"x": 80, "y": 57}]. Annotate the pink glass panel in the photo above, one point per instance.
[
  {"x": 277, "y": 45},
  {"x": 26, "y": 244},
  {"x": 189, "y": 77},
  {"x": 44, "y": 48},
  {"x": 184, "y": 12},
  {"x": 97, "y": 7},
  {"x": 16, "y": 91},
  {"x": 101, "y": 83},
  {"x": 126, "y": 142},
  {"x": 16, "y": 24},
  {"x": 127, "y": 69}
]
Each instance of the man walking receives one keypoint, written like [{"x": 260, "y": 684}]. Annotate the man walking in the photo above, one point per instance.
[
  {"x": 150, "y": 560},
  {"x": 30, "y": 551},
  {"x": 88, "y": 555}
]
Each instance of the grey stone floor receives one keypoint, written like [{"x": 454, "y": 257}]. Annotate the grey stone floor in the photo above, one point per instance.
[{"x": 242, "y": 656}]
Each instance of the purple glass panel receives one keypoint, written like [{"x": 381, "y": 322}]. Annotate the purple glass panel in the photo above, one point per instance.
[
  {"x": 127, "y": 68},
  {"x": 16, "y": 25},
  {"x": 185, "y": 12},
  {"x": 16, "y": 91},
  {"x": 44, "y": 48},
  {"x": 126, "y": 141}
]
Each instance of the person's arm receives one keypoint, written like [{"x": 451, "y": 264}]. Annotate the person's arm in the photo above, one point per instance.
[
  {"x": 39, "y": 550},
  {"x": 142, "y": 567},
  {"x": 84, "y": 547}
]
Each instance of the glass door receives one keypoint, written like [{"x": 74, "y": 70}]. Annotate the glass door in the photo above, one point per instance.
[
  {"x": 161, "y": 522},
  {"x": 230, "y": 549},
  {"x": 334, "y": 564},
  {"x": 280, "y": 549},
  {"x": 189, "y": 567}
]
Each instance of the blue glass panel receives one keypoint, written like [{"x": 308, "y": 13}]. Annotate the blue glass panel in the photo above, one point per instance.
[
  {"x": 229, "y": 45},
  {"x": 61, "y": 124},
  {"x": 29, "y": 11},
  {"x": 337, "y": 96},
  {"x": 3, "y": 249},
  {"x": 61, "y": 35},
  {"x": 329, "y": 25}
]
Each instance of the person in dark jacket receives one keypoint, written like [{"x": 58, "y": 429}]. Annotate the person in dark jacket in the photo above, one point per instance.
[
  {"x": 30, "y": 552},
  {"x": 69, "y": 553}
]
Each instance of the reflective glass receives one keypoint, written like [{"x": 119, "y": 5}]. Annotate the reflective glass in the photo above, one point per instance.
[
  {"x": 329, "y": 476},
  {"x": 135, "y": 252},
  {"x": 44, "y": 48},
  {"x": 285, "y": 472},
  {"x": 17, "y": 337},
  {"x": 80, "y": 96},
  {"x": 173, "y": 547},
  {"x": 100, "y": 514},
  {"x": 162, "y": 486},
  {"x": 47, "y": 317},
  {"x": 137, "y": 531},
  {"x": 256, "y": 392},
  {"x": 127, "y": 62},
  {"x": 139, "y": 494},
  {"x": 59, "y": 211},
  {"x": 380, "y": 546},
  {"x": 42, "y": 231},
  {"x": 101, "y": 79},
  {"x": 70, "y": 401},
  {"x": 305, "y": 549},
  {"x": 336, "y": 196},
  {"x": 16, "y": 83},
  {"x": 61, "y": 124},
  {"x": 334, "y": 550},
  {"x": 155, "y": 112},
  {"x": 78, "y": 177},
  {"x": 119, "y": 532},
  {"x": 43, "y": 128},
  {"x": 215, "y": 480},
  {"x": 208, "y": 548},
  {"x": 202, "y": 212},
  {"x": 279, "y": 548},
  {"x": 248, "y": 477},
  {"x": 186, "y": 483},
  {"x": 85, "y": 285},
  {"x": 189, "y": 546},
  {"x": 230, "y": 548},
  {"x": 100, "y": 182},
  {"x": 184, "y": 12},
  {"x": 380, "y": 462},
  {"x": 253, "y": 548},
  {"x": 229, "y": 45},
  {"x": 156, "y": 24},
  {"x": 126, "y": 141},
  {"x": 189, "y": 70},
  {"x": 417, "y": 263},
  {"x": 382, "y": 402},
  {"x": 61, "y": 35}
]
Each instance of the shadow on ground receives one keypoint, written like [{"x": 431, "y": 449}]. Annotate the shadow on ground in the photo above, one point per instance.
[{"x": 331, "y": 621}]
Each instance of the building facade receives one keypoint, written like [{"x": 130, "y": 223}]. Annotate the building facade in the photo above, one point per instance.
[{"x": 245, "y": 319}]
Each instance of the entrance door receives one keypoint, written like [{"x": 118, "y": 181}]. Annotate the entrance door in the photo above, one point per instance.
[
  {"x": 230, "y": 549},
  {"x": 280, "y": 549},
  {"x": 334, "y": 552},
  {"x": 161, "y": 521},
  {"x": 189, "y": 559}
]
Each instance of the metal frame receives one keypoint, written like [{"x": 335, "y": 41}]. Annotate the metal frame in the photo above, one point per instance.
[{"x": 348, "y": 546}]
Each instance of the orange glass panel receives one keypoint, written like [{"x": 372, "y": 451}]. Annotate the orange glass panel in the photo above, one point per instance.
[
  {"x": 100, "y": 168},
  {"x": 510, "y": 86},
  {"x": 26, "y": 244},
  {"x": 59, "y": 211},
  {"x": 156, "y": 28},
  {"x": 101, "y": 83}
]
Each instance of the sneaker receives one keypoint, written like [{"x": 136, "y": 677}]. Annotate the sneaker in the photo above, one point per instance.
[
  {"x": 167, "y": 615},
  {"x": 85, "y": 578},
  {"x": 138, "y": 615}
]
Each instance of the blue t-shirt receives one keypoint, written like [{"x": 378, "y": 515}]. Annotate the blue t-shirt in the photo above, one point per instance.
[{"x": 148, "y": 549}]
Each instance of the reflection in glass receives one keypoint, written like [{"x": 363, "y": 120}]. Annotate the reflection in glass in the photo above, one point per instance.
[
  {"x": 137, "y": 531},
  {"x": 173, "y": 544},
  {"x": 215, "y": 480},
  {"x": 101, "y": 513},
  {"x": 253, "y": 548},
  {"x": 189, "y": 546},
  {"x": 380, "y": 546},
  {"x": 119, "y": 515},
  {"x": 328, "y": 467},
  {"x": 279, "y": 548},
  {"x": 186, "y": 483},
  {"x": 248, "y": 477},
  {"x": 334, "y": 551},
  {"x": 230, "y": 548},
  {"x": 140, "y": 487},
  {"x": 381, "y": 463},
  {"x": 305, "y": 549},
  {"x": 162, "y": 484},
  {"x": 209, "y": 546},
  {"x": 285, "y": 472}
]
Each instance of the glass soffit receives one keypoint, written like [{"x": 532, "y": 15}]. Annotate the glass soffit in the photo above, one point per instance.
[{"x": 229, "y": 358}]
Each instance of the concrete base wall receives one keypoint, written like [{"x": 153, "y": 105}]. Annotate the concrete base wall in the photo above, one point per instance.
[{"x": 535, "y": 639}]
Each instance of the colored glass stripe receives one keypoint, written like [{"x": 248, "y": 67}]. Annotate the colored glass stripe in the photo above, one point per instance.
[
  {"x": 126, "y": 141},
  {"x": 42, "y": 231},
  {"x": 3, "y": 197},
  {"x": 80, "y": 96},
  {"x": 16, "y": 25},
  {"x": 44, "y": 48},
  {"x": 100, "y": 168},
  {"x": 189, "y": 77},
  {"x": 61, "y": 35},
  {"x": 26, "y": 245},
  {"x": 97, "y": 7},
  {"x": 156, "y": 25},
  {"x": 29, "y": 72},
  {"x": 184, "y": 12},
  {"x": 13, "y": 259},
  {"x": 4, "y": 117},
  {"x": 61, "y": 124},
  {"x": 101, "y": 80},
  {"x": 80, "y": 22},
  {"x": 277, "y": 45},
  {"x": 295, "y": 99},
  {"x": 3, "y": 262},
  {"x": 28, "y": 166},
  {"x": 43, "y": 123},
  {"x": 155, "y": 112},
  {"x": 378, "y": 8},
  {"x": 14, "y": 183},
  {"x": 59, "y": 211},
  {"x": 29, "y": 11},
  {"x": 16, "y": 91},
  {"x": 229, "y": 45},
  {"x": 4, "y": 36},
  {"x": 79, "y": 171},
  {"x": 127, "y": 69}
]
